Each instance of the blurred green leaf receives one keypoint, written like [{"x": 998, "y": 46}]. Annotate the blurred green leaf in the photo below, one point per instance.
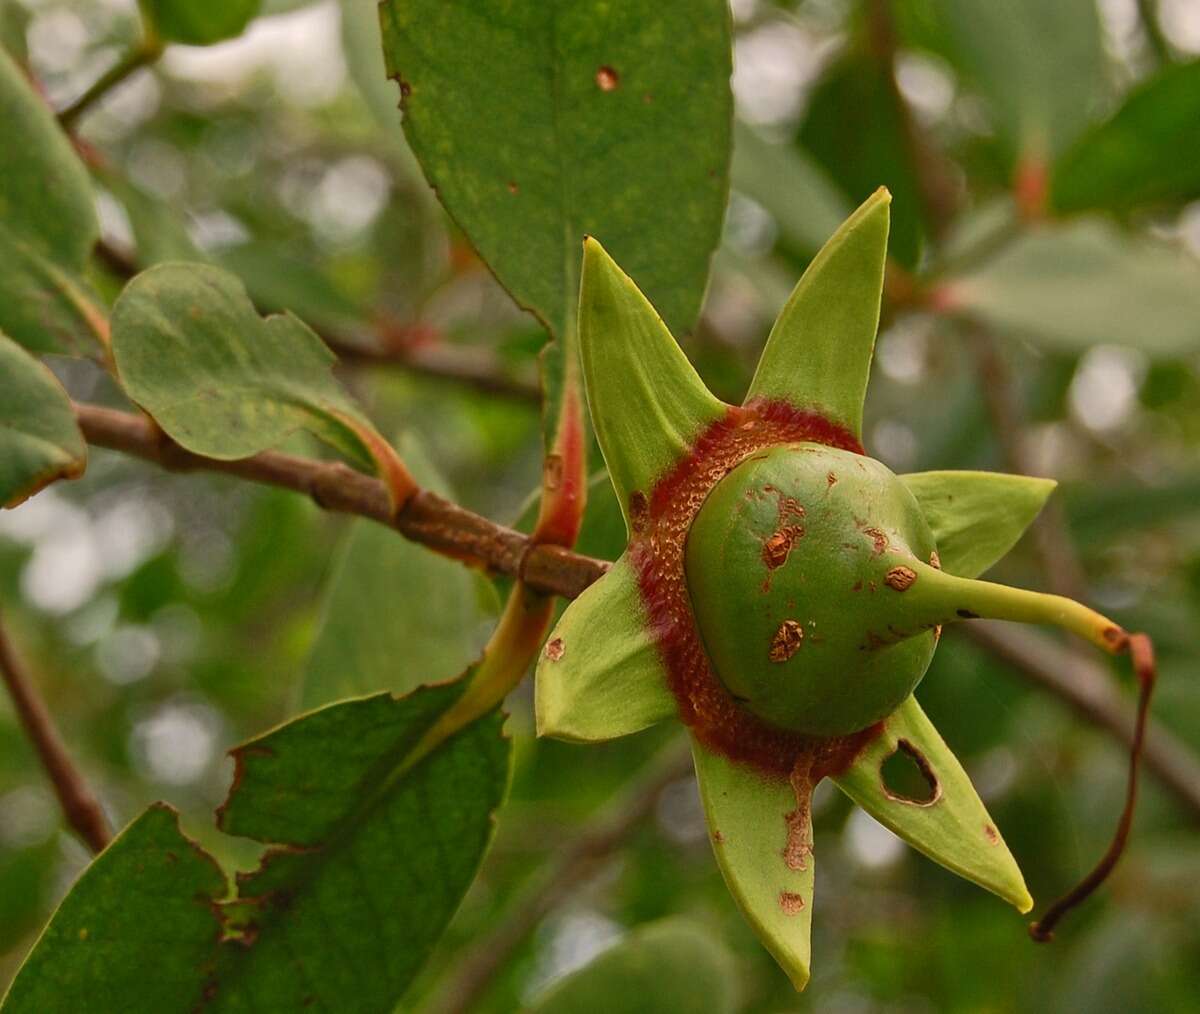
[
  {"x": 222, "y": 381},
  {"x": 1138, "y": 156},
  {"x": 158, "y": 229},
  {"x": 47, "y": 226},
  {"x": 371, "y": 852},
  {"x": 1075, "y": 285},
  {"x": 146, "y": 901},
  {"x": 540, "y": 123},
  {"x": 805, "y": 203},
  {"x": 199, "y": 22},
  {"x": 39, "y": 438},
  {"x": 669, "y": 967},
  {"x": 854, "y": 131},
  {"x": 396, "y": 614},
  {"x": 1040, "y": 66}
]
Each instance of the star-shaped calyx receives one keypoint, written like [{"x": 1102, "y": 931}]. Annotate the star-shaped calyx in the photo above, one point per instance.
[{"x": 782, "y": 592}]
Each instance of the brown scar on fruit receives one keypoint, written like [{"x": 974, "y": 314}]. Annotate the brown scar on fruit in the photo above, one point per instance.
[
  {"x": 787, "y": 641},
  {"x": 900, "y": 578},
  {"x": 555, "y": 649},
  {"x": 830, "y": 479},
  {"x": 607, "y": 79},
  {"x": 791, "y": 903},
  {"x": 879, "y": 541},
  {"x": 778, "y": 546}
]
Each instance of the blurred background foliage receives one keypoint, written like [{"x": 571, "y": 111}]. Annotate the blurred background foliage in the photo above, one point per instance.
[{"x": 1043, "y": 313}]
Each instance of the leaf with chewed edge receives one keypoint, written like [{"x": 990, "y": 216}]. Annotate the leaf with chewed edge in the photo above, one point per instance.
[
  {"x": 372, "y": 844},
  {"x": 39, "y": 438},
  {"x": 146, "y": 902}
]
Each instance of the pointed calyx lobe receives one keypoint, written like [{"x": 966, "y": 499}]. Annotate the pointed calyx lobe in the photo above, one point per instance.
[{"x": 818, "y": 355}]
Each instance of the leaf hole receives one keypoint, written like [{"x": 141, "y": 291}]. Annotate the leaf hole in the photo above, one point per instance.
[{"x": 908, "y": 777}]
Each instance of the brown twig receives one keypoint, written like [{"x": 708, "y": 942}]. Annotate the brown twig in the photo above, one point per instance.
[
  {"x": 425, "y": 518},
  {"x": 79, "y": 805},
  {"x": 1086, "y": 686},
  {"x": 575, "y": 860}
]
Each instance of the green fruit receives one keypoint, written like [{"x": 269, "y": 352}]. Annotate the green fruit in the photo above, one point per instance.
[{"x": 788, "y": 565}]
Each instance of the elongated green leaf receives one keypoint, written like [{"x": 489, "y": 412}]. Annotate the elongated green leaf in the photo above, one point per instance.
[
  {"x": 219, "y": 379},
  {"x": 855, "y": 132},
  {"x": 199, "y": 22},
  {"x": 600, "y": 675},
  {"x": 950, "y": 824},
  {"x": 976, "y": 517},
  {"x": 39, "y": 439},
  {"x": 669, "y": 967},
  {"x": 47, "y": 226},
  {"x": 1072, "y": 286},
  {"x": 396, "y": 614},
  {"x": 1040, "y": 66},
  {"x": 369, "y": 857},
  {"x": 804, "y": 202},
  {"x": 762, "y": 838},
  {"x": 818, "y": 355},
  {"x": 539, "y": 123},
  {"x": 147, "y": 901},
  {"x": 1133, "y": 159},
  {"x": 647, "y": 402}
]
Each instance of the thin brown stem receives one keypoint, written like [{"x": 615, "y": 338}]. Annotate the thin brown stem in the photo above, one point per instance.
[
  {"x": 133, "y": 61},
  {"x": 1142, "y": 653},
  {"x": 574, "y": 862},
  {"x": 79, "y": 804}
]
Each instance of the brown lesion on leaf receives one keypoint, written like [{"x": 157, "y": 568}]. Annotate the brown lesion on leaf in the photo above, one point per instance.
[
  {"x": 513, "y": 188},
  {"x": 935, "y": 561},
  {"x": 991, "y": 834},
  {"x": 555, "y": 649},
  {"x": 799, "y": 846},
  {"x": 552, "y": 472},
  {"x": 607, "y": 79},
  {"x": 900, "y": 578},
  {"x": 903, "y": 746},
  {"x": 639, "y": 511},
  {"x": 787, "y": 641},
  {"x": 791, "y": 903}
]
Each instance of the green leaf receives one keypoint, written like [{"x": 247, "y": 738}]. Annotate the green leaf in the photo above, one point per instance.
[
  {"x": 158, "y": 229},
  {"x": 668, "y": 967},
  {"x": 199, "y": 22},
  {"x": 396, "y": 614},
  {"x": 976, "y": 517},
  {"x": 39, "y": 438},
  {"x": 806, "y": 205},
  {"x": 648, "y": 404},
  {"x": 854, "y": 131},
  {"x": 147, "y": 901},
  {"x": 370, "y": 857},
  {"x": 818, "y": 355},
  {"x": 371, "y": 851},
  {"x": 222, "y": 381},
  {"x": 48, "y": 227},
  {"x": 762, "y": 838},
  {"x": 1133, "y": 159},
  {"x": 540, "y": 123},
  {"x": 950, "y": 823},
  {"x": 600, "y": 675},
  {"x": 1040, "y": 66},
  {"x": 1071, "y": 286}
]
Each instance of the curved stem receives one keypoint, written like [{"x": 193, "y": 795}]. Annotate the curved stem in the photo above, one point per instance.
[{"x": 141, "y": 56}]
